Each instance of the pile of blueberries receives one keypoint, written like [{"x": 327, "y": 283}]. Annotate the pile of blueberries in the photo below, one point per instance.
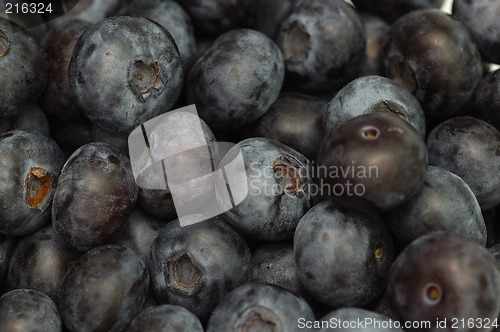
[{"x": 371, "y": 145}]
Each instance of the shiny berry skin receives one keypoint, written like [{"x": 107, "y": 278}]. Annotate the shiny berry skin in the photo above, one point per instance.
[{"x": 373, "y": 160}]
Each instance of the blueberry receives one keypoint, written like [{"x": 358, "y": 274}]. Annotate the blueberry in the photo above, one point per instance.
[
  {"x": 370, "y": 94},
  {"x": 376, "y": 32},
  {"x": 173, "y": 18},
  {"x": 290, "y": 119},
  {"x": 445, "y": 203},
  {"x": 144, "y": 76},
  {"x": 481, "y": 18},
  {"x": 139, "y": 232},
  {"x": 470, "y": 148},
  {"x": 259, "y": 307},
  {"x": 391, "y": 10},
  {"x": 278, "y": 181},
  {"x": 357, "y": 319},
  {"x": 196, "y": 266},
  {"x": 7, "y": 245},
  {"x": 94, "y": 11},
  {"x": 58, "y": 45},
  {"x": 343, "y": 256},
  {"x": 30, "y": 164},
  {"x": 214, "y": 17},
  {"x": 487, "y": 99},
  {"x": 40, "y": 262},
  {"x": 236, "y": 80},
  {"x": 444, "y": 276},
  {"x": 165, "y": 318},
  {"x": 31, "y": 117},
  {"x": 268, "y": 15},
  {"x": 117, "y": 140},
  {"x": 95, "y": 195},
  {"x": 23, "y": 74},
  {"x": 103, "y": 290},
  {"x": 28, "y": 311},
  {"x": 435, "y": 58},
  {"x": 374, "y": 160},
  {"x": 322, "y": 42}
]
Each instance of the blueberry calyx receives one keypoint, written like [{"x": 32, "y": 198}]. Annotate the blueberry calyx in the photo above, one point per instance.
[
  {"x": 146, "y": 78},
  {"x": 296, "y": 42},
  {"x": 183, "y": 274},
  {"x": 379, "y": 253},
  {"x": 287, "y": 170},
  {"x": 432, "y": 293},
  {"x": 258, "y": 318},
  {"x": 370, "y": 132},
  {"x": 38, "y": 185},
  {"x": 4, "y": 45}
]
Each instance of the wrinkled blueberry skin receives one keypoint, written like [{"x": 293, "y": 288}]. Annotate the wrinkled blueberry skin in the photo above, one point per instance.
[
  {"x": 376, "y": 30},
  {"x": 40, "y": 262},
  {"x": 57, "y": 46},
  {"x": 28, "y": 311},
  {"x": 165, "y": 318},
  {"x": 391, "y": 10},
  {"x": 370, "y": 94},
  {"x": 23, "y": 74},
  {"x": 212, "y": 18},
  {"x": 328, "y": 237},
  {"x": 443, "y": 203},
  {"x": 236, "y": 80},
  {"x": 95, "y": 195},
  {"x": 435, "y": 58},
  {"x": 30, "y": 164},
  {"x": 139, "y": 232},
  {"x": 469, "y": 147},
  {"x": 103, "y": 290},
  {"x": 374, "y": 160},
  {"x": 172, "y": 17},
  {"x": 291, "y": 119},
  {"x": 278, "y": 182},
  {"x": 143, "y": 76},
  {"x": 259, "y": 307},
  {"x": 355, "y": 315},
  {"x": 481, "y": 19},
  {"x": 7, "y": 245},
  {"x": 442, "y": 275},
  {"x": 195, "y": 266},
  {"x": 322, "y": 43},
  {"x": 488, "y": 99}
]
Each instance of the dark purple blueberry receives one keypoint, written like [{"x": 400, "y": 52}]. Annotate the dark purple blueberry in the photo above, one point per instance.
[
  {"x": 295, "y": 120},
  {"x": 58, "y": 45},
  {"x": 444, "y": 276},
  {"x": 435, "y": 58},
  {"x": 195, "y": 266},
  {"x": 30, "y": 164},
  {"x": 391, "y": 10},
  {"x": 376, "y": 32},
  {"x": 443, "y": 203},
  {"x": 236, "y": 80},
  {"x": 214, "y": 17},
  {"x": 143, "y": 76},
  {"x": 343, "y": 256},
  {"x": 158, "y": 202},
  {"x": 103, "y": 290},
  {"x": 488, "y": 99},
  {"x": 322, "y": 42},
  {"x": 165, "y": 318},
  {"x": 374, "y": 160},
  {"x": 29, "y": 311},
  {"x": 139, "y": 232},
  {"x": 40, "y": 262},
  {"x": 276, "y": 193},
  {"x": 470, "y": 148},
  {"x": 481, "y": 18},
  {"x": 259, "y": 307},
  {"x": 356, "y": 319},
  {"x": 23, "y": 74},
  {"x": 95, "y": 195},
  {"x": 370, "y": 94}
]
